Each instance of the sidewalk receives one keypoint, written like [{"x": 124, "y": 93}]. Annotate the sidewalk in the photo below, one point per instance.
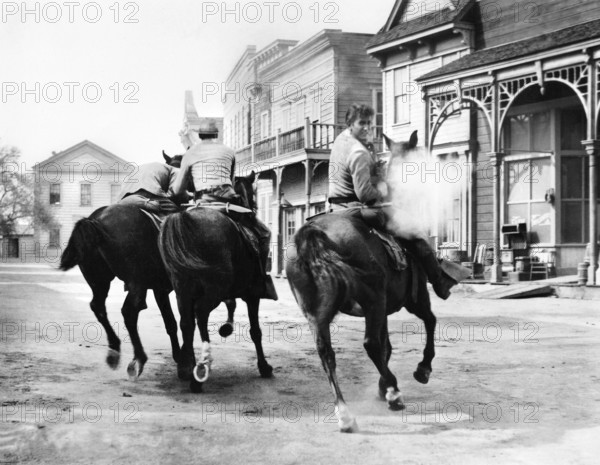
[{"x": 564, "y": 287}]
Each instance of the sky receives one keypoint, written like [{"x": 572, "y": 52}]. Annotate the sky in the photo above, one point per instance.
[{"x": 115, "y": 73}]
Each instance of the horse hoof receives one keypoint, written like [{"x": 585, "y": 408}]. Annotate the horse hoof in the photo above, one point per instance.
[
  {"x": 226, "y": 330},
  {"x": 351, "y": 428},
  {"x": 195, "y": 386},
  {"x": 113, "y": 358},
  {"x": 422, "y": 375},
  {"x": 265, "y": 370},
  {"x": 396, "y": 405},
  {"x": 134, "y": 369}
]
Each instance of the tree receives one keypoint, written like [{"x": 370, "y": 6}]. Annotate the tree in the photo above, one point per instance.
[{"x": 17, "y": 200}]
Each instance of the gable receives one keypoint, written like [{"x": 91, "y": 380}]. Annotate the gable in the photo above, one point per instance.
[{"x": 92, "y": 151}]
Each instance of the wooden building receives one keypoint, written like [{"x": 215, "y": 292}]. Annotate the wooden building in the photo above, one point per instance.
[
  {"x": 74, "y": 183},
  {"x": 510, "y": 91},
  {"x": 284, "y": 106}
]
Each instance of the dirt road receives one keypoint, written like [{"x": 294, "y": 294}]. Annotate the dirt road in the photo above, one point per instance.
[{"x": 513, "y": 382}]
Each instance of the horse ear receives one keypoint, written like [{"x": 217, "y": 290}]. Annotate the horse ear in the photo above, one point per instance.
[
  {"x": 388, "y": 141},
  {"x": 412, "y": 142},
  {"x": 252, "y": 176},
  {"x": 167, "y": 157}
]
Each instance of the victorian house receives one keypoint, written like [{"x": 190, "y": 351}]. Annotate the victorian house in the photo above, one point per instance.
[{"x": 509, "y": 91}]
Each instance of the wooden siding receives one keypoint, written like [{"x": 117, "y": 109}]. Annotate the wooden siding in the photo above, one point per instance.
[
  {"x": 504, "y": 21},
  {"x": 358, "y": 74}
]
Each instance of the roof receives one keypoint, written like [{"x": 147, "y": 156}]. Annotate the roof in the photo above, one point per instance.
[
  {"x": 97, "y": 148},
  {"x": 449, "y": 14},
  {"x": 505, "y": 52}
]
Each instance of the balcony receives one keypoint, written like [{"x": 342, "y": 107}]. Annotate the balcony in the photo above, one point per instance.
[{"x": 313, "y": 140}]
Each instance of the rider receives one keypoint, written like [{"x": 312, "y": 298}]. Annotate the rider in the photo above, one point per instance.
[
  {"x": 150, "y": 188},
  {"x": 354, "y": 181},
  {"x": 211, "y": 166}
]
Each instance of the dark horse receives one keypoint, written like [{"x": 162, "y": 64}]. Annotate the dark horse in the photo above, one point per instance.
[
  {"x": 121, "y": 241},
  {"x": 341, "y": 266},
  {"x": 208, "y": 262}
]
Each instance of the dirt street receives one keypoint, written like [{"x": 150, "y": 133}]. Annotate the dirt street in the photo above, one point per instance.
[{"x": 514, "y": 381}]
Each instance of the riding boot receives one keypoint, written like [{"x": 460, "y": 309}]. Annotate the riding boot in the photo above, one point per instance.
[
  {"x": 264, "y": 245},
  {"x": 440, "y": 281}
]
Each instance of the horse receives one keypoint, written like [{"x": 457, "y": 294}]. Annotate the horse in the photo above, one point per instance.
[
  {"x": 120, "y": 240},
  {"x": 208, "y": 261},
  {"x": 340, "y": 265}
]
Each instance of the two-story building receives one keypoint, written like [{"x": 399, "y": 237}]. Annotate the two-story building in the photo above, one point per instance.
[
  {"x": 284, "y": 105},
  {"x": 74, "y": 183},
  {"x": 511, "y": 91}
]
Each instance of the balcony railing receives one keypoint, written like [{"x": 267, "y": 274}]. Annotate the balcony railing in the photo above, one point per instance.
[{"x": 317, "y": 136}]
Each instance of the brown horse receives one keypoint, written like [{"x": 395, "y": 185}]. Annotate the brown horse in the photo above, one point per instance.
[
  {"x": 340, "y": 265},
  {"x": 208, "y": 262}
]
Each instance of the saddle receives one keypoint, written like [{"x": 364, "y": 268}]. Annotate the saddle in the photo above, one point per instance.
[
  {"x": 236, "y": 214},
  {"x": 372, "y": 217}
]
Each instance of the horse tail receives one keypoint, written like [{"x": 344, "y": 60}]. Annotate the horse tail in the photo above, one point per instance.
[
  {"x": 85, "y": 238},
  {"x": 320, "y": 259},
  {"x": 178, "y": 249}
]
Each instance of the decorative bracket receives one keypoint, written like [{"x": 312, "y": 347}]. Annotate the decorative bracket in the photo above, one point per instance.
[
  {"x": 468, "y": 34},
  {"x": 539, "y": 73},
  {"x": 411, "y": 49},
  {"x": 429, "y": 44}
]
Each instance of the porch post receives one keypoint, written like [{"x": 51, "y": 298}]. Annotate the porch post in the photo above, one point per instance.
[
  {"x": 496, "y": 159},
  {"x": 279, "y": 224},
  {"x": 592, "y": 147},
  {"x": 307, "y": 184}
]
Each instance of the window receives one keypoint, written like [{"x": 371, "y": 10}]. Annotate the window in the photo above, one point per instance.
[
  {"x": 315, "y": 100},
  {"x": 54, "y": 194},
  {"x": 299, "y": 113},
  {"x": 574, "y": 177},
  {"x": 286, "y": 116},
  {"x": 530, "y": 175},
  {"x": 86, "y": 195},
  {"x": 401, "y": 97},
  {"x": 319, "y": 208},
  {"x": 265, "y": 126},
  {"x": 289, "y": 224},
  {"x": 54, "y": 238},
  {"x": 115, "y": 189}
]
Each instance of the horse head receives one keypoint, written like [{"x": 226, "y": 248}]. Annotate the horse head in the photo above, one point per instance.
[
  {"x": 244, "y": 187},
  {"x": 400, "y": 149},
  {"x": 174, "y": 161}
]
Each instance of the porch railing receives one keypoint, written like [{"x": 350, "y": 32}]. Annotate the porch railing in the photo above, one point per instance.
[{"x": 318, "y": 136}]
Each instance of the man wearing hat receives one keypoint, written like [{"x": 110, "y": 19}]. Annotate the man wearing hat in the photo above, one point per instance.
[{"x": 211, "y": 166}]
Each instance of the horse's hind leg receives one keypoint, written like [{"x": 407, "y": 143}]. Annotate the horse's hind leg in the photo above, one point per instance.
[
  {"x": 187, "y": 360},
  {"x": 164, "y": 304},
  {"x": 319, "y": 325},
  {"x": 422, "y": 309},
  {"x": 227, "y": 328},
  {"x": 378, "y": 348},
  {"x": 98, "y": 277},
  {"x": 134, "y": 303},
  {"x": 266, "y": 370}
]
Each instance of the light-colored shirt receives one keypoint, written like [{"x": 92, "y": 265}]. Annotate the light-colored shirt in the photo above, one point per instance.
[
  {"x": 154, "y": 177},
  {"x": 210, "y": 165},
  {"x": 352, "y": 170}
]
